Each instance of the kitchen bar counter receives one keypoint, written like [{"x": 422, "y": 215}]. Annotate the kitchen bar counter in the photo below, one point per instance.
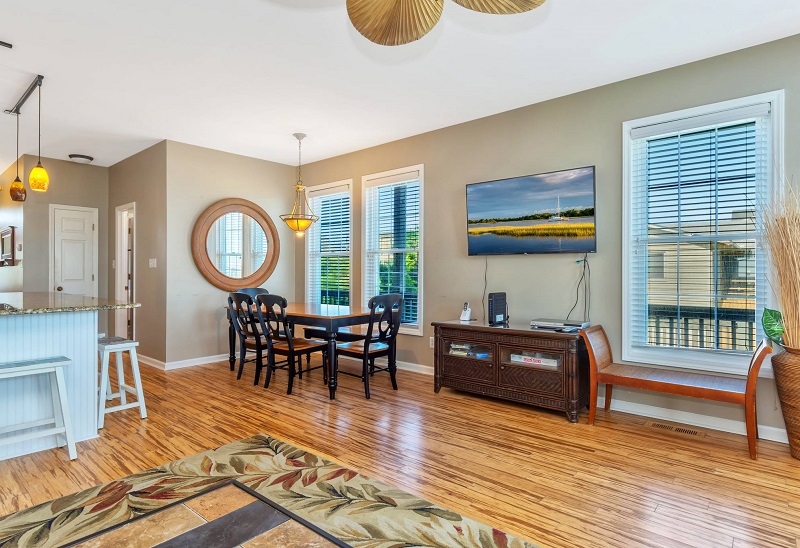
[
  {"x": 15, "y": 304},
  {"x": 41, "y": 325}
]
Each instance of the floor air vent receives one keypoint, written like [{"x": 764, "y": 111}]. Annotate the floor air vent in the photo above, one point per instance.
[{"x": 676, "y": 429}]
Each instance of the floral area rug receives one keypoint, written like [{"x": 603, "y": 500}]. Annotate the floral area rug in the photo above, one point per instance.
[{"x": 358, "y": 510}]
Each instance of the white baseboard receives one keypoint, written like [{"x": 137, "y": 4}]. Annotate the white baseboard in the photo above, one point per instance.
[
  {"x": 169, "y": 366},
  {"x": 695, "y": 419}
]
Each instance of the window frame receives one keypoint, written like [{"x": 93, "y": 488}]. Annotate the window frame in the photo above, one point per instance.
[
  {"x": 720, "y": 361},
  {"x": 327, "y": 186},
  {"x": 370, "y": 181}
]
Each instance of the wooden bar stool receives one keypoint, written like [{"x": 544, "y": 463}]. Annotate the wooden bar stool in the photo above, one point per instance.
[
  {"x": 118, "y": 345},
  {"x": 62, "y": 424}
]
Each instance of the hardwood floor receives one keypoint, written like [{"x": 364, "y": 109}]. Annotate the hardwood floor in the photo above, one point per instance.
[{"x": 524, "y": 470}]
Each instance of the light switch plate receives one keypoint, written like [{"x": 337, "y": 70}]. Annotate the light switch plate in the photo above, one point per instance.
[{"x": 153, "y": 263}]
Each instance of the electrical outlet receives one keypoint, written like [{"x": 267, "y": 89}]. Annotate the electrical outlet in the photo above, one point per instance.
[
  {"x": 153, "y": 263},
  {"x": 431, "y": 343}
]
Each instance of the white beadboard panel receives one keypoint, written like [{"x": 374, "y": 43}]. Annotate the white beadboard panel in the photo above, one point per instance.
[{"x": 33, "y": 336}]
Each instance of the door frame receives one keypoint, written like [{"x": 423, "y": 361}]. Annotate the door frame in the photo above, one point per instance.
[
  {"x": 122, "y": 214},
  {"x": 95, "y": 244}
]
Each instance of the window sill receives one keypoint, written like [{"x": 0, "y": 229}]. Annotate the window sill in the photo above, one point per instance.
[{"x": 414, "y": 330}]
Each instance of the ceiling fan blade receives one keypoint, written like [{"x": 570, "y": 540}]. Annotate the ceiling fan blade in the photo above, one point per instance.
[
  {"x": 500, "y": 7},
  {"x": 394, "y": 22}
]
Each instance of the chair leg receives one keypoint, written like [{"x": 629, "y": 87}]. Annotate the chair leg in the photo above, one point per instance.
[
  {"x": 259, "y": 364},
  {"x": 592, "y": 401},
  {"x": 300, "y": 365},
  {"x": 609, "y": 389},
  {"x": 393, "y": 370},
  {"x": 270, "y": 368},
  {"x": 371, "y": 367},
  {"x": 325, "y": 365},
  {"x": 242, "y": 354},
  {"x": 123, "y": 399},
  {"x": 291, "y": 362},
  {"x": 751, "y": 422},
  {"x": 65, "y": 416},
  {"x": 137, "y": 381},
  {"x": 101, "y": 417},
  {"x": 365, "y": 375}
]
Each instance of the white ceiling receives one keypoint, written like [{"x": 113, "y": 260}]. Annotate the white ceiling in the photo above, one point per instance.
[{"x": 243, "y": 75}]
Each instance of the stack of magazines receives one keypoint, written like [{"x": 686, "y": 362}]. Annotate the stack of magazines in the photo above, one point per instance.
[{"x": 460, "y": 349}]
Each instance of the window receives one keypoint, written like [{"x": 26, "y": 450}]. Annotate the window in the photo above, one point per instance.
[
  {"x": 393, "y": 240},
  {"x": 695, "y": 283},
  {"x": 328, "y": 245}
]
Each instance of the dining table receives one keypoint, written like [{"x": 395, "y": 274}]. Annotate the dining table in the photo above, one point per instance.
[{"x": 327, "y": 317}]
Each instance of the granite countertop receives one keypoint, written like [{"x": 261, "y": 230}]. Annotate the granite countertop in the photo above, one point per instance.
[{"x": 15, "y": 304}]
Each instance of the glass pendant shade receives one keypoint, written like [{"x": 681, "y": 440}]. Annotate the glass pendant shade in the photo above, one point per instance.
[
  {"x": 297, "y": 220},
  {"x": 39, "y": 180},
  {"x": 17, "y": 191}
]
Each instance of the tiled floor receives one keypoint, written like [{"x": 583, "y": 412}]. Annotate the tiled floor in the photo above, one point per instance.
[{"x": 228, "y": 516}]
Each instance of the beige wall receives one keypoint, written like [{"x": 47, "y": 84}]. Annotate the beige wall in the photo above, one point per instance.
[
  {"x": 196, "y": 178},
  {"x": 142, "y": 179},
  {"x": 577, "y": 130},
  {"x": 11, "y": 214}
]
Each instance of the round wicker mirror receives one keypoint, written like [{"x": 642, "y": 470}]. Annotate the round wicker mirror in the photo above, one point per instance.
[{"x": 235, "y": 244}]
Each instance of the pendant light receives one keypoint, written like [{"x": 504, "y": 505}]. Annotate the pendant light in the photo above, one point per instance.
[
  {"x": 297, "y": 220},
  {"x": 39, "y": 180},
  {"x": 17, "y": 189}
]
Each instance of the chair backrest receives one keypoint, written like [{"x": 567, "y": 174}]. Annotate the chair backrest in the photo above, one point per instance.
[
  {"x": 272, "y": 318},
  {"x": 385, "y": 312},
  {"x": 598, "y": 348},
  {"x": 253, "y": 291},
  {"x": 240, "y": 308},
  {"x": 759, "y": 354}
]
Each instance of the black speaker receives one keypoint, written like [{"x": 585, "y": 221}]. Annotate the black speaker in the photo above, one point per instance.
[{"x": 497, "y": 309}]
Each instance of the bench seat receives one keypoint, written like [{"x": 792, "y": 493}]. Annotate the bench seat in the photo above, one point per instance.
[
  {"x": 681, "y": 383},
  {"x": 723, "y": 388}
]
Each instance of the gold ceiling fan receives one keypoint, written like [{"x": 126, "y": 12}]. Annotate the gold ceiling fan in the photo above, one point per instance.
[{"x": 398, "y": 22}]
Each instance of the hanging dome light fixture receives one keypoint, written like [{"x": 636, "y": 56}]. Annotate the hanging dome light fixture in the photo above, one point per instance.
[
  {"x": 17, "y": 189},
  {"x": 297, "y": 219},
  {"x": 39, "y": 180}
]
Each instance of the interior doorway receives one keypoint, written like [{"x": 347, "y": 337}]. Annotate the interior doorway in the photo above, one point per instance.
[
  {"x": 125, "y": 270},
  {"x": 73, "y": 250}
]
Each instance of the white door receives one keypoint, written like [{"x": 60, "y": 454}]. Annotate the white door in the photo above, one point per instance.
[
  {"x": 74, "y": 258},
  {"x": 124, "y": 272}
]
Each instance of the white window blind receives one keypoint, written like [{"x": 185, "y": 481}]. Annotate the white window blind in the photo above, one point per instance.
[
  {"x": 696, "y": 275},
  {"x": 392, "y": 238},
  {"x": 328, "y": 257}
]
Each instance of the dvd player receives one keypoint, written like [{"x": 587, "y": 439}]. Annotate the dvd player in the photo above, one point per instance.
[{"x": 544, "y": 323}]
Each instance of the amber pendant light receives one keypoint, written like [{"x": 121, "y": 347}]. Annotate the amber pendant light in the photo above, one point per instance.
[
  {"x": 301, "y": 216},
  {"x": 17, "y": 189},
  {"x": 39, "y": 180}
]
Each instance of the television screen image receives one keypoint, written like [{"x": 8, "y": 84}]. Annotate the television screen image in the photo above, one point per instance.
[{"x": 544, "y": 213}]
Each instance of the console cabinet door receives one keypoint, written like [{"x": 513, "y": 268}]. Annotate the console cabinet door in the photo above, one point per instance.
[
  {"x": 469, "y": 360},
  {"x": 531, "y": 369}
]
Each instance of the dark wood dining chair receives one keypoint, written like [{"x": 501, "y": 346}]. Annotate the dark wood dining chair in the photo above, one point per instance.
[
  {"x": 253, "y": 291},
  {"x": 380, "y": 340},
  {"x": 245, "y": 324},
  {"x": 271, "y": 310}
]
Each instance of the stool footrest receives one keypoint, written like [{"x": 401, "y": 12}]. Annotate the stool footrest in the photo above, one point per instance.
[
  {"x": 33, "y": 435},
  {"x": 121, "y": 407},
  {"x": 31, "y": 424}
]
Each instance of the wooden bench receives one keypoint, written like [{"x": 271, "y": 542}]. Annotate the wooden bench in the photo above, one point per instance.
[{"x": 738, "y": 390}]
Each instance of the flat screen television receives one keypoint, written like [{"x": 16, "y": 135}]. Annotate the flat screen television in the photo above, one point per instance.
[{"x": 544, "y": 213}]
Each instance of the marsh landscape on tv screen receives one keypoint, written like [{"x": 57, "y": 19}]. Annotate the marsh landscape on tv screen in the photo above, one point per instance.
[{"x": 545, "y": 213}]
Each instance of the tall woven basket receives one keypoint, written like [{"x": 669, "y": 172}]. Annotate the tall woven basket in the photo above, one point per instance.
[{"x": 786, "y": 366}]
